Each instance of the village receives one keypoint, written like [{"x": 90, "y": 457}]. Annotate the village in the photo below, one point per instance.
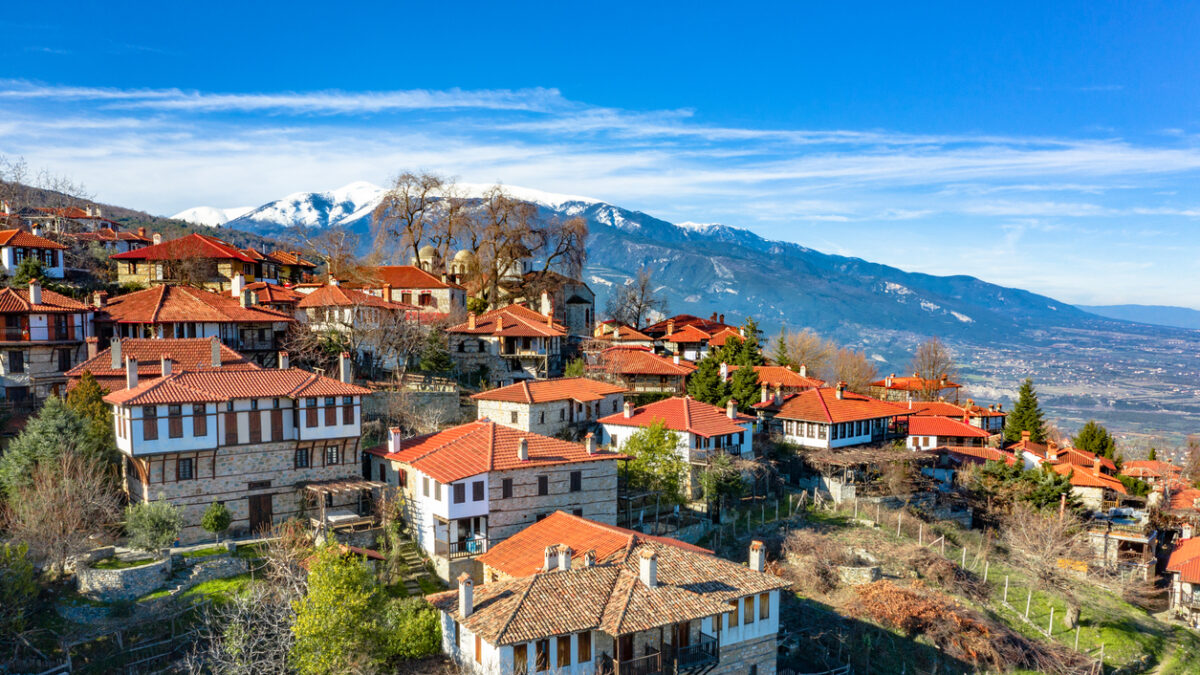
[{"x": 446, "y": 456}]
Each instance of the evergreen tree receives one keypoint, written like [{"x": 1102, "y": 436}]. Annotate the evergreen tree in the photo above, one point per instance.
[
  {"x": 657, "y": 465},
  {"x": 29, "y": 268},
  {"x": 704, "y": 384},
  {"x": 779, "y": 349},
  {"x": 216, "y": 519},
  {"x": 743, "y": 388},
  {"x": 55, "y": 430},
  {"x": 1096, "y": 440},
  {"x": 434, "y": 355},
  {"x": 575, "y": 368},
  {"x": 87, "y": 401},
  {"x": 1026, "y": 415},
  {"x": 153, "y": 525},
  {"x": 337, "y": 627},
  {"x": 1153, "y": 456},
  {"x": 751, "y": 350}
]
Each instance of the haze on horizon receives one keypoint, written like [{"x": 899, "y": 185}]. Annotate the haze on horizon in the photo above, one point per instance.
[{"x": 1048, "y": 148}]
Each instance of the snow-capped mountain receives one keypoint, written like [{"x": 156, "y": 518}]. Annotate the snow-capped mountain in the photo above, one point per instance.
[{"x": 211, "y": 216}]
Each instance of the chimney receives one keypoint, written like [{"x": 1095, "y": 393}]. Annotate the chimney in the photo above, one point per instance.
[
  {"x": 764, "y": 395},
  {"x": 93, "y": 347},
  {"x": 131, "y": 374},
  {"x": 840, "y": 392},
  {"x": 114, "y": 348},
  {"x": 713, "y": 317},
  {"x": 550, "y": 316},
  {"x": 724, "y": 371},
  {"x": 100, "y": 298},
  {"x": 778, "y": 395},
  {"x": 345, "y": 372},
  {"x": 589, "y": 558},
  {"x": 564, "y": 557},
  {"x": 1096, "y": 465},
  {"x": 676, "y": 359},
  {"x": 387, "y": 292},
  {"x": 758, "y": 556},
  {"x": 466, "y": 596},
  {"x": 1052, "y": 450},
  {"x": 36, "y": 230},
  {"x": 35, "y": 292},
  {"x": 523, "y": 449},
  {"x": 247, "y": 298},
  {"x": 589, "y": 442},
  {"x": 470, "y": 320},
  {"x": 648, "y": 568},
  {"x": 628, "y": 410},
  {"x": 285, "y": 361},
  {"x": 238, "y": 285},
  {"x": 1025, "y": 436},
  {"x": 721, "y": 319},
  {"x": 156, "y": 238},
  {"x": 887, "y": 381},
  {"x": 803, "y": 370},
  {"x": 550, "y": 556},
  {"x": 970, "y": 403},
  {"x": 545, "y": 304},
  {"x": 731, "y": 409},
  {"x": 334, "y": 282},
  {"x": 214, "y": 352},
  {"x": 670, "y": 326},
  {"x": 499, "y": 323},
  {"x": 1187, "y": 531},
  {"x": 142, "y": 232},
  {"x": 165, "y": 365}
]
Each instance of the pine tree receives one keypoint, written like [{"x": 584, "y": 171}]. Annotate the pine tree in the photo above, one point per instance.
[
  {"x": 1026, "y": 415},
  {"x": 1096, "y": 440},
  {"x": 705, "y": 383},
  {"x": 743, "y": 388},
  {"x": 751, "y": 349},
  {"x": 779, "y": 349},
  {"x": 1153, "y": 456}
]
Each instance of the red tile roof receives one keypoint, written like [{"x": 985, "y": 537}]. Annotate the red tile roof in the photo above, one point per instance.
[
  {"x": 718, "y": 338},
  {"x": 185, "y": 354},
  {"x": 1186, "y": 500},
  {"x": 481, "y": 446},
  {"x": 1081, "y": 477},
  {"x": 170, "y": 304},
  {"x": 1185, "y": 559},
  {"x": 782, "y": 376},
  {"x": 290, "y": 258},
  {"x": 270, "y": 294},
  {"x": 223, "y": 385},
  {"x": 823, "y": 405},
  {"x": 512, "y": 321},
  {"x": 630, "y": 360},
  {"x": 943, "y": 426},
  {"x": 523, "y": 553},
  {"x": 27, "y": 240},
  {"x": 16, "y": 300},
  {"x": 686, "y": 335},
  {"x": 331, "y": 295},
  {"x": 1150, "y": 468},
  {"x": 682, "y": 414},
  {"x": 619, "y": 332},
  {"x": 944, "y": 409},
  {"x": 1077, "y": 457},
  {"x": 914, "y": 383},
  {"x": 106, "y": 234},
  {"x": 406, "y": 276},
  {"x": 544, "y": 391},
  {"x": 970, "y": 454},
  {"x": 194, "y": 245},
  {"x": 680, "y": 320}
]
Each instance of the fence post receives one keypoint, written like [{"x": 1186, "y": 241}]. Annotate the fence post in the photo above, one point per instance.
[
  {"x": 1050, "y": 626},
  {"x": 985, "y": 570},
  {"x": 876, "y": 513},
  {"x": 920, "y": 534},
  {"x": 856, "y": 508},
  {"x": 943, "y": 546},
  {"x": 1076, "y": 637},
  {"x": 963, "y": 564},
  {"x": 1006, "y": 589},
  {"x": 1028, "y": 598},
  {"x": 899, "y": 516}
]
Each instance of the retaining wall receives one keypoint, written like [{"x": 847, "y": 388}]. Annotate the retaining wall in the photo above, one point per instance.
[{"x": 125, "y": 584}]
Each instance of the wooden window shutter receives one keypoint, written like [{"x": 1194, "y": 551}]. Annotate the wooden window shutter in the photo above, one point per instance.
[
  {"x": 277, "y": 425},
  {"x": 255, "y": 426},
  {"x": 231, "y": 428}
]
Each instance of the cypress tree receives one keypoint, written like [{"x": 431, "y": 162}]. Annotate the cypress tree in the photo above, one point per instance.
[
  {"x": 705, "y": 383},
  {"x": 751, "y": 350},
  {"x": 779, "y": 349},
  {"x": 1026, "y": 415},
  {"x": 1095, "y": 439},
  {"x": 743, "y": 388}
]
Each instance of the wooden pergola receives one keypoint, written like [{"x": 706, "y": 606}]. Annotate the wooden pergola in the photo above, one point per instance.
[
  {"x": 338, "y": 519},
  {"x": 866, "y": 463}
]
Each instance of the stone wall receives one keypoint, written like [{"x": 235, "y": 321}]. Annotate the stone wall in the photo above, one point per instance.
[
  {"x": 738, "y": 657},
  {"x": 445, "y": 405},
  {"x": 597, "y": 499},
  {"x": 125, "y": 584}
]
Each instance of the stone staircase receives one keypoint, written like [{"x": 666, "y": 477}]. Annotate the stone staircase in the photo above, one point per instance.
[{"x": 217, "y": 568}]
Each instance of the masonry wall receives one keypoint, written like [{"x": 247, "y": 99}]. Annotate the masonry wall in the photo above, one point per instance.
[
  {"x": 597, "y": 499},
  {"x": 549, "y": 418}
]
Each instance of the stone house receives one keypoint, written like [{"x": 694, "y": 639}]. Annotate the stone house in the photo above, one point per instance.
[
  {"x": 256, "y": 440},
  {"x": 411, "y": 285},
  {"x": 367, "y": 321},
  {"x": 703, "y": 430},
  {"x": 1183, "y": 568},
  {"x": 43, "y": 338},
  {"x": 652, "y": 607},
  {"x": 548, "y": 407},
  {"x": 199, "y": 259},
  {"x": 613, "y": 333},
  {"x": 469, "y": 487},
  {"x": 904, "y": 389},
  {"x": 990, "y": 418},
  {"x": 1095, "y": 489},
  {"x": 113, "y": 241},
  {"x": 570, "y": 301},
  {"x": 833, "y": 417},
  {"x": 927, "y": 431},
  {"x": 640, "y": 370},
  {"x": 510, "y": 343},
  {"x": 16, "y": 245}
]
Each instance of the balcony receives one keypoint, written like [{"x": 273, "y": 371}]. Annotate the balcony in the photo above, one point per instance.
[
  {"x": 38, "y": 334},
  {"x": 650, "y": 664},
  {"x": 467, "y": 548},
  {"x": 704, "y": 652}
]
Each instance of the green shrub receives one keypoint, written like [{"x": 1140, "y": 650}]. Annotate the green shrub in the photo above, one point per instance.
[
  {"x": 411, "y": 629},
  {"x": 18, "y": 588},
  {"x": 153, "y": 525},
  {"x": 216, "y": 519}
]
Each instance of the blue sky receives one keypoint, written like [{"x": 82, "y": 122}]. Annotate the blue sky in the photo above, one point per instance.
[{"x": 1053, "y": 148}]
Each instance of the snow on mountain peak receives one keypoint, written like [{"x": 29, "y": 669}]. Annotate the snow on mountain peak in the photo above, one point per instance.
[{"x": 210, "y": 215}]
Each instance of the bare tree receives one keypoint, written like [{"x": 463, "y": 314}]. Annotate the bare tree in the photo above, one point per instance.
[
  {"x": 409, "y": 213},
  {"x": 1039, "y": 539},
  {"x": 637, "y": 301},
  {"x": 853, "y": 368},
  {"x": 335, "y": 248},
  {"x": 810, "y": 350},
  {"x": 252, "y": 633},
  {"x": 1191, "y": 462},
  {"x": 68, "y": 503},
  {"x": 391, "y": 336},
  {"x": 933, "y": 363},
  {"x": 288, "y": 546}
]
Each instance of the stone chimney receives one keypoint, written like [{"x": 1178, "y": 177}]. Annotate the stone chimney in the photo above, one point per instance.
[
  {"x": 628, "y": 410},
  {"x": 724, "y": 371},
  {"x": 758, "y": 556},
  {"x": 131, "y": 374},
  {"x": 247, "y": 298},
  {"x": 466, "y": 595},
  {"x": 545, "y": 307},
  {"x": 731, "y": 409},
  {"x": 648, "y": 568},
  {"x": 550, "y": 316},
  {"x": 721, "y": 319},
  {"x": 523, "y": 449},
  {"x": 35, "y": 292},
  {"x": 589, "y": 558},
  {"x": 1025, "y": 436},
  {"x": 345, "y": 369},
  {"x": 165, "y": 365},
  {"x": 471, "y": 320},
  {"x": 840, "y": 391},
  {"x": 214, "y": 352},
  {"x": 670, "y": 326},
  {"x": 550, "y": 556},
  {"x": 142, "y": 232},
  {"x": 778, "y": 395},
  {"x": 564, "y": 557},
  {"x": 285, "y": 361},
  {"x": 93, "y": 347},
  {"x": 764, "y": 395},
  {"x": 616, "y": 333},
  {"x": 589, "y": 442},
  {"x": 100, "y": 298},
  {"x": 36, "y": 230},
  {"x": 156, "y": 238},
  {"x": 1096, "y": 465},
  {"x": 499, "y": 323},
  {"x": 334, "y": 282},
  {"x": 676, "y": 359},
  {"x": 1051, "y": 450},
  {"x": 114, "y": 349},
  {"x": 887, "y": 381},
  {"x": 803, "y": 370},
  {"x": 1187, "y": 531},
  {"x": 238, "y": 285}
]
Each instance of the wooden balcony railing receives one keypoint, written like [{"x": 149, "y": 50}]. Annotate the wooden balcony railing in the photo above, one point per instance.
[
  {"x": 467, "y": 548},
  {"x": 650, "y": 664},
  {"x": 703, "y": 652}
]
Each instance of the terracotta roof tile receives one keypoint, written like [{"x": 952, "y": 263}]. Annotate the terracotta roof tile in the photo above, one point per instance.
[
  {"x": 512, "y": 321},
  {"x": 185, "y": 354},
  {"x": 969, "y": 453},
  {"x": 406, "y": 276},
  {"x": 169, "y": 303},
  {"x": 290, "y": 258},
  {"x": 106, "y": 234},
  {"x": 1185, "y": 559},
  {"x": 26, "y": 239},
  {"x": 822, "y": 405},
  {"x": 686, "y": 335},
  {"x": 266, "y": 293},
  {"x": 719, "y": 338},
  {"x": 682, "y": 414},
  {"x": 16, "y": 300},
  {"x": 943, "y": 426},
  {"x": 782, "y": 376},
  {"x": 1150, "y": 468},
  {"x": 544, "y": 391},
  {"x": 333, "y": 295},
  {"x": 223, "y": 385},
  {"x": 914, "y": 383},
  {"x": 944, "y": 409},
  {"x": 1086, "y": 478},
  {"x": 617, "y": 332},
  {"x": 194, "y": 245},
  {"x": 629, "y": 360}
]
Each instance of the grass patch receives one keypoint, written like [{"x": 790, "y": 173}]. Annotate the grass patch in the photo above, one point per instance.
[
  {"x": 118, "y": 564},
  {"x": 205, "y": 552},
  {"x": 250, "y": 551},
  {"x": 221, "y": 591},
  {"x": 154, "y": 595},
  {"x": 74, "y": 599},
  {"x": 429, "y": 585}
]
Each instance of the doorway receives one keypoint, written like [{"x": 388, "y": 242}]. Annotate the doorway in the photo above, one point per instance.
[{"x": 260, "y": 513}]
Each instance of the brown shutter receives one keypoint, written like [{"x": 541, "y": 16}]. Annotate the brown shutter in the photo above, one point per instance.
[
  {"x": 255, "y": 426},
  {"x": 310, "y": 416},
  {"x": 231, "y": 431},
  {"x": 348, "y": 414},
  {"x": 199, "y": 421},
  {"x": 330, "y": 415},
  {"x": 277, "y": 425},
  {"x": 149, "y": 427}
]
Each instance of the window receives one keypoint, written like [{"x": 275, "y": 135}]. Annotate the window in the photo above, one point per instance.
[
  {"x": 64, "y": 360},
  {"x": 478, "y": 649},
  {"x": 733, "y": 614},
  {"x": 520, "y": 659},
  {"x": 301, "y": 460},
  {"x": 277, "y": 424},
  {"x": 185, "y": 468},
  {"x": 612, "y": 440},
  {"x": 437, "y": 491},
  {"x": 562, "y": 414},
  {"x": 231, "y": 428},
  {"x": 199, "y": 421},
  {"x": 543, "y": 486},
  {"x": 538, "y": 518},
  {"x": 764, "y": 605},
  {"x": 175, "y": 421},
  {"x": 254, "y": 404},
  {"x": 584, "y": 649},
  {"x": 425, "y": 486},
  {"x": 512, "y": 417},
  {"x": 541, "y": 416},
  {"x": 255, "y": 425},
  {"x": 576, "y": 481},
  {"x": 332, "y": 455},
  {"x": 16, "y": 362},
  {"x": 477, "y": 491},
  {"x": 150, "y": 422},
  {"x": 460, "y": 493},
  {"x": 330, "y": 411},
  {"x": 310, "y": 416},
  {"x": 564, "y": 651},
  {"x": 748, "y": 615},
  {"x": 506, "y": 488},
  {"x": 614, "y": 405},
  {"x": 457, "y": 636},
  {"x": 577, "y": 512},
  {"x": 347, "y": 410},
  {"x": 542, "y": 648}
]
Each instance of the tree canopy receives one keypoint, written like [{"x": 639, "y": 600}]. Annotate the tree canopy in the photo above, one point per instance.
[
  {"x": 1026, "y": 415},
  {"x": 657, "y": 465},
  {"x": 54, "y": 431},
  {"x": 1095, "y": 439},
  {"x": 337, "y": 627}
]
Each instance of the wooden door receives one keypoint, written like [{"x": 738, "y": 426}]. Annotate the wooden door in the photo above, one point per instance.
[
  {"x": 260, "y": 513},
  {"x": 683, "y": 635}
]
